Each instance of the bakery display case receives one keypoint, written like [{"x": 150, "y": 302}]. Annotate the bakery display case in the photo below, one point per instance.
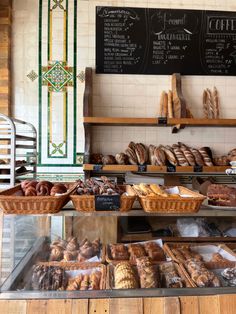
[{"x": 60, "y": 256}]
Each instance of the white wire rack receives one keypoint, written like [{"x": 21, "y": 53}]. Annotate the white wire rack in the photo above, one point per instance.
[{"x": 18, "y": 150}]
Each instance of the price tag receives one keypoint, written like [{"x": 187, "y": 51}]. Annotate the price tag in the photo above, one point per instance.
[
  {"x": 97, "y": 167},
  {"x": 197, "y": 168},
  {"x": 171, "y": 169},
  {"x": 142, "y": 168},
  {"x": 162, "y": 121},
  {"x": 107, "y": 202}
]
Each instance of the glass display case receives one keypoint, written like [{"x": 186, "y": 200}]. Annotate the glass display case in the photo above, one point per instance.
[{"x": 30, "y": 259}]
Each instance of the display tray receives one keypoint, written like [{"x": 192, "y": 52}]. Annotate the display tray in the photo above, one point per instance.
[
  {"x": 206, "y": 250},
  {"x": 12, "y": 201},
  {"x": 86, "y": 203},
  {"x": 110, "y": 260},
  {"x": 72, "y": 270},
  {"x": 185, "y": 279}
]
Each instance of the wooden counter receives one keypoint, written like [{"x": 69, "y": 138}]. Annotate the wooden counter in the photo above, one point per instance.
[{"x": 218, "y": 304}]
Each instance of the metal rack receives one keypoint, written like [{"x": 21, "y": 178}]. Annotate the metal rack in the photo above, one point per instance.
[{"x": 18, "y": 150}]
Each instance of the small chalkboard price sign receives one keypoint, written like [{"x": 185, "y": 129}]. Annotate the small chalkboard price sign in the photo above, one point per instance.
[
  {"x": 165, "y": 41},
  {"x": 107, "y": 202}
]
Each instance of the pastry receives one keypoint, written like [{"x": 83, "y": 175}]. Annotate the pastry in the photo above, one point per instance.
[
  {"x": 58, "y": 188},
  {"x": 48, "y": 278},
  {"x": 108, "y": 160},
  {"x": 154, "y": 251},
  {"x": 75, "y": 283},
  {"x": 124, "y": 276},
  {"x": 122, "y": 159},
  {"x": 169, "y": 276},
  {"x": 84, "y": 283},
  {"x": 136, "y": 251},
  {"x": 28, "y": 183},
  {"x": 96, "y": 159},
  {"x": 94, "y": 281},
  {"x": 119, "y": 252},
  {"x": 221, "y": 195},
  {"x": 141, "y": 153},
  {"x": 133, "y": 160},
  {"x": 147, "y": 273},
  {"x": 43, "y": 188},
  {"x": 232, "y": 155},
  {"x": 86, "y": 251},
  {"x": 221, "y": 161},
  {"x": 69, "y": 255},
  {"x": 201, "y": 275},
  {"x": 56, "y": 254},
  {"x": 229, "y": 275},
  {"x": 30, "y": 191}
]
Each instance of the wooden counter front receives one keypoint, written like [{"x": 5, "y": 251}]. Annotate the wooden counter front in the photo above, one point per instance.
[{"x": 217, "y": 304}]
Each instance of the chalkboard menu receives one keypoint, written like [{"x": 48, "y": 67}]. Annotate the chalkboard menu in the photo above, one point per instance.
[{"x": 165, "y": 41}]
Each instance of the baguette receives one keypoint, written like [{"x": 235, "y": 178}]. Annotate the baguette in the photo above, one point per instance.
[
  {"x": 157, "y": 190},
  {"x": 170, "y": 105}
]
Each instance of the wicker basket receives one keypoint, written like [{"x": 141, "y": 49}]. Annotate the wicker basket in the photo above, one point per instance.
[
  {"x": 168, "y": 248},
  {"x": 12, "y": 201},
  {"x": 79, "y": 266},
  {"x": 171, "y": 204},
  {"x": 87, "y": 202},
  {"x": 181, "y": 272}
]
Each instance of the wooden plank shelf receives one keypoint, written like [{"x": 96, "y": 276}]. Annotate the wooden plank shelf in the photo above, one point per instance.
[
  {"x": 155, "y": 122},
  {"x": 121, "y": 121},
  {"x": 154, "y": 169},
  {"x": 148, "y": 236}
]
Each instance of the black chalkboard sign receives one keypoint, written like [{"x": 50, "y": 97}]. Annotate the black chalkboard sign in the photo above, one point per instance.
[
  {"x": 165, "y": 41},
  {"x": 107, "y": 202}
]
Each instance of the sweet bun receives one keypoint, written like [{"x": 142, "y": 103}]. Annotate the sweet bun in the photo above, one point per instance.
[
  {"x": 43, "y": 188},
  {"x": 58, "y": 188}
]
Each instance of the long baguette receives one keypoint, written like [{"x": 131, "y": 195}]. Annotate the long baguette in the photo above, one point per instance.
[{"x": 157, "y": 190}]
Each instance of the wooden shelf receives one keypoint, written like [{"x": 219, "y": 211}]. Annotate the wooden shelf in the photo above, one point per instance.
[
  {"x": 154, "y": 121},
  {"x": 121, "y": 121},
  {"x": 148, "y": 236},
  {"x": 203, "y": 212},
  {"x": 154, "y": 169}
]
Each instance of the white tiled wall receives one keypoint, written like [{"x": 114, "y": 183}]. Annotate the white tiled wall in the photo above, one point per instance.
[
  {"x": 138, "y": 95},
  {"x": 121, "y": 95}
]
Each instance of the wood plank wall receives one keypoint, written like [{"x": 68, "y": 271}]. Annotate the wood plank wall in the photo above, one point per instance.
[
  {"x": 5, "y": 56},
  {"x": 218, "y": 304}
]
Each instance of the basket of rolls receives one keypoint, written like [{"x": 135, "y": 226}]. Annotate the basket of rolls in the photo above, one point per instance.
[
  {"x": 84, "y": 196},
  {"x": 35, "y": 197},
  {"x": 178, "y": 199}
]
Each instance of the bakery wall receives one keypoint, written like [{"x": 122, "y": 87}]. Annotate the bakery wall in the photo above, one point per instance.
[{"x": 61, "y": 34}]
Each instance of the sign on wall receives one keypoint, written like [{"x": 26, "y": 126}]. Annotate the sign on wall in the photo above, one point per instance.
[{"x": 164, "y": 41}]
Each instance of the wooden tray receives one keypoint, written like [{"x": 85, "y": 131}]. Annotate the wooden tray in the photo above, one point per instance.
[
  {"x": 82, "y": 266},
  {"x": 187, "y": 280},
  {"x": 87, "y": 202},
  {"x": 169, "y": 246},
  {"x": 12, "y": 201},
  {"x": 110, "y": 260},
  {"x": 170, "y": 204}
]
